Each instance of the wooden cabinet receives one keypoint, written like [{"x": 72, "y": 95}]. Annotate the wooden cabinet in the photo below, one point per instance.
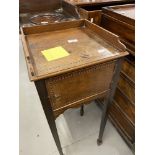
[
  {"x": 87, "y": 73},
  {"x": 121, "y": 21},
  {"x": 93, "y": 12},
  {"x": 83, "y": 70},
  {"x": 122, "y": 123}
]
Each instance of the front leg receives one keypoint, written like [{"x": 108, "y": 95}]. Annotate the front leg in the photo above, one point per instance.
[
  {"x": 42, "y": 91},
  {"x": 103, "y": 121}
]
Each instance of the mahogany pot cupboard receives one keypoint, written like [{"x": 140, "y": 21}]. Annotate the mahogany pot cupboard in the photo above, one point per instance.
[
  {"x": 57, "y": 23},
  {"x": 87, "y": 73}
]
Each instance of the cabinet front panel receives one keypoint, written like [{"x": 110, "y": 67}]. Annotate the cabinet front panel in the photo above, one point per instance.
[{"x": 81, "y": 85}]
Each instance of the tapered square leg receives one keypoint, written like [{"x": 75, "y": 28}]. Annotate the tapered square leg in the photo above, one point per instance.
[
  {"x": 42, "y": 91},
  {"x": 103, "y": 121},
  {"x": 108, "y": 100}
]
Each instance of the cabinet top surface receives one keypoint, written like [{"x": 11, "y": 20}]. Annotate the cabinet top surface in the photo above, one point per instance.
[{"x": 83, "y": 45}]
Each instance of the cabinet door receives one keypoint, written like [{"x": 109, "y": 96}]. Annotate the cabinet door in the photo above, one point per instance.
[{"x": 80, "y": 86}]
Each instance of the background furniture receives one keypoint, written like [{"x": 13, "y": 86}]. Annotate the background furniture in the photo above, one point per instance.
[
  {"x": 93, "y": 12},
  {"x": 43, "y": 12},
  {"x": 82, "y": 3},
  {"x": 121, "y": 21}
]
